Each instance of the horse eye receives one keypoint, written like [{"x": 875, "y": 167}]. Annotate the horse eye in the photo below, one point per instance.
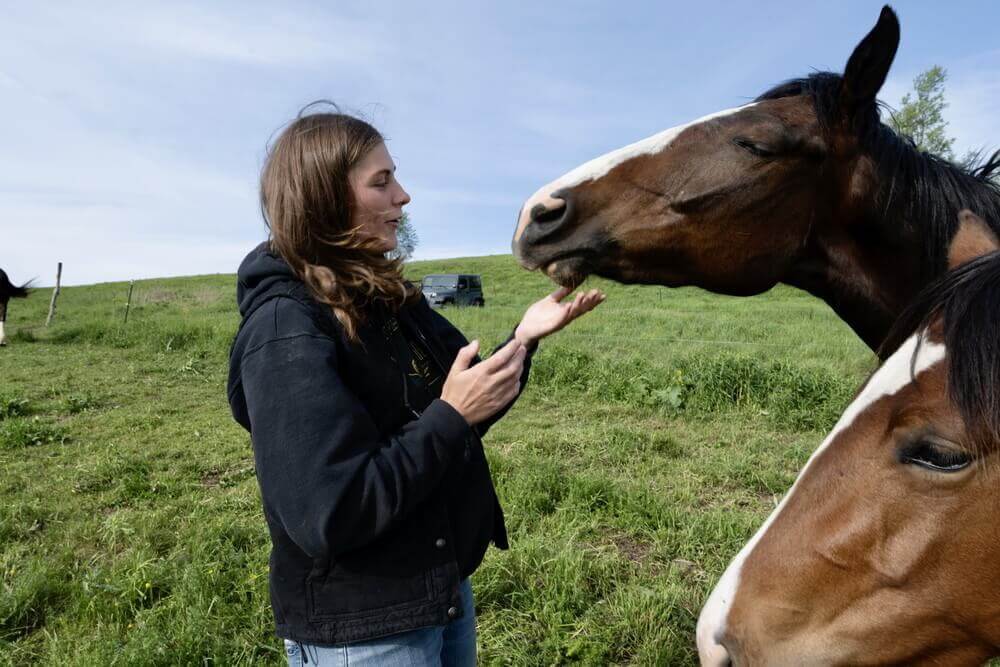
[
  {"x": 753, "y": 148},
  {"x": 933, "y": 456}
]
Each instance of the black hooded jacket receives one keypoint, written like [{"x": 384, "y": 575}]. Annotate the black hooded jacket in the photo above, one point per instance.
[{"x": 375, "y": 514}]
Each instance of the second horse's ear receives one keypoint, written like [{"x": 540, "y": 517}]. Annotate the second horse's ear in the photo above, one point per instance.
[
  {"x": 973, "y": 239},
  {"x": 869, "y": 65}
]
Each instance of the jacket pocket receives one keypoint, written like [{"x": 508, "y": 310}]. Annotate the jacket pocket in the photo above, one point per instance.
[{"x": 345, "y": 593}]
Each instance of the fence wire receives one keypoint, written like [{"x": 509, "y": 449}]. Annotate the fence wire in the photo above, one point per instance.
[{"x": 655, "y": 306}]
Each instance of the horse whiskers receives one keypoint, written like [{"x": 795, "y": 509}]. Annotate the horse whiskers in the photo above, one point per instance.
[
  {"x": 564, "y": 275},
  {"x": 575, "y": 281}
]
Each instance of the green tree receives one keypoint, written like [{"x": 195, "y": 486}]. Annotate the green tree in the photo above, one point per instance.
[
  {"x": 921, "y": 114},
  {"x": 406, "y": 238}
]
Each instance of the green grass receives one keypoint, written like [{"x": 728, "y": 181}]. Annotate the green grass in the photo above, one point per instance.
[{"x": 655, "y": 435}]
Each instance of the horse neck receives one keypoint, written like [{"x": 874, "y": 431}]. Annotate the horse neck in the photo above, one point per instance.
[
  {"x": 865, "y": 271},
  {"x": 869, "y": 258},
  {"x": 866, "y": 294}
]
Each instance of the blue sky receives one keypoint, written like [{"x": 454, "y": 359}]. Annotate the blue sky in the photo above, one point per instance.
[{"x": 132, "y": 136}]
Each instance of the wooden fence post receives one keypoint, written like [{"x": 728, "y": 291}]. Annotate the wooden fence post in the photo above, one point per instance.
[
  {"x": 128, "y": 302},
  {"x": 55, "y": 293}
]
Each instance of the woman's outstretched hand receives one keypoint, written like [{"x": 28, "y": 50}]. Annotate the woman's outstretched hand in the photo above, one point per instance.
[{"x": 550, "y": 315}]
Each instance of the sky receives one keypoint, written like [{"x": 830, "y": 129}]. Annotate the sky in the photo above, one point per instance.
[{"x": 133, "y": 134}]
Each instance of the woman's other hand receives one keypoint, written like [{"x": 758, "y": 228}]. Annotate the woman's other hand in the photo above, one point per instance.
[
  {"x": 550, "y": 315},
  {"x": 480, "y": 392}
]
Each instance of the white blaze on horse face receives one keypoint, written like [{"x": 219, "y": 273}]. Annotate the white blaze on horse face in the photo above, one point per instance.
[
  {"x": 602, "y": 165},
  {"x": 3, "y": 338},
  {"x": 892, "y": 376}
]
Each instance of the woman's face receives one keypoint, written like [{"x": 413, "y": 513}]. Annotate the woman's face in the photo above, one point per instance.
[{"x": 379, "y": 198}]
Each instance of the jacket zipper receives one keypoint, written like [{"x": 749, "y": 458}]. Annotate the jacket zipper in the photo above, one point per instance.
[
  {"x": 406, "y": 396},
  {"x": 430, "y": 350}
]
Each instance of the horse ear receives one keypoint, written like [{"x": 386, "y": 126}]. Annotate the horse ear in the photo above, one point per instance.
[
  {"x": 869, "y": 65},
  {"x": 973, "y": 239}
]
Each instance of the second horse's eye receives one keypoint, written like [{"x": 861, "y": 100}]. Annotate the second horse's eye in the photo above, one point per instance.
[
  {"x": 934, "y": 456},
  {"x": 754, "y": 148}
]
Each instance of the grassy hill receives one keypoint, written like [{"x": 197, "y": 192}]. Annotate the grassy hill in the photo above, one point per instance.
[{"x": 653, "y": 438}]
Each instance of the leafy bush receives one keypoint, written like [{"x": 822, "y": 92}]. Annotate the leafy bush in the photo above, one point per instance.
[
  {"x": 12, "y": 405},
  {"x": 791, "y": 395},
  {"x": 77, "y": 403}
]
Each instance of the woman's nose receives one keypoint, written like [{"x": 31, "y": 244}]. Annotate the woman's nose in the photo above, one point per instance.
[{"x": 402, "y": 197}]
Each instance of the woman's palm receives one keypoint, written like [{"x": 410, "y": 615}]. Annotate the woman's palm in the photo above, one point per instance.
[{"x": 549, "y": 315}]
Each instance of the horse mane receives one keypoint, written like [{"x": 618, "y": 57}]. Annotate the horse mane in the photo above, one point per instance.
[
  {"x": 917, "y": 192},
  {"x": 967, "y": 299}
]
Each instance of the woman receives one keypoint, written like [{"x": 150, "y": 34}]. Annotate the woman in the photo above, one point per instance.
[{"x": 366, "y": 410}]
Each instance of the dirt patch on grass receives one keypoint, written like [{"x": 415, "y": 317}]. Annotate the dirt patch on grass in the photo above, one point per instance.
[
  {"x": 211, "y": 479},
  {"x": 215, "y": 478},
  {"x": 633, "y": 550},
  {"x": 688, "y": 569}
]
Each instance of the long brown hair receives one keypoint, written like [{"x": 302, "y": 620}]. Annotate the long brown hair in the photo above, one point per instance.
[{"x": 308, "y": 206}]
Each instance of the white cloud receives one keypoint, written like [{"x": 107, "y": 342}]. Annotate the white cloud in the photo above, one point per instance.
[{"x": 260, "y": 35}]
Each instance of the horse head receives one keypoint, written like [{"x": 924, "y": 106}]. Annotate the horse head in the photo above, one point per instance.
[
  {"x": 804, "y": 186},
  {"x": 885, "y": 549},
  {"x": 705, "y": 202}
]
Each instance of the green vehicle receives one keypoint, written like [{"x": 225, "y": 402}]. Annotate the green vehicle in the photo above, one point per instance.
[{"x": 453, "y": 289}]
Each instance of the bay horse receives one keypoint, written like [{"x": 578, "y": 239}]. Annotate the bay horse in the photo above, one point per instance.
[
  {"x": 804, "y": 186},
  {"x": 886, "y": 550},
  {"x": 8, "y": 291}
]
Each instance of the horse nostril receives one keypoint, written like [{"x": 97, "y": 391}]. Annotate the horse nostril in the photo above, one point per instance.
[
  {"x": 542, "y": 220},
  {"x": 554, "y": 212}
]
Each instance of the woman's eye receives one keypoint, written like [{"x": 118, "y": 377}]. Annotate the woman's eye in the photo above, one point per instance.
[
  {"x": 932, "y": 456},
  {"x": 754, "y": 148}
]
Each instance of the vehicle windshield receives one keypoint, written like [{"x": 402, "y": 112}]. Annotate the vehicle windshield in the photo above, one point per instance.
[{"x": 441, "y": 281}]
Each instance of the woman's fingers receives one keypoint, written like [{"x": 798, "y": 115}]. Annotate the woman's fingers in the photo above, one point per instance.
[
  {"x": 511, "y": 370},
  {"x": 512, "y": 394},
  {"x": 501, "y": 357},
  {"x": 513, "y": 367},
  {"x": 592, "y": 299},
  {"x": 584, "y": 303},
  {"x": 576, "y": 306},
  {"x": 465, "y": 357},
  {"x": 559, "y": 294}
]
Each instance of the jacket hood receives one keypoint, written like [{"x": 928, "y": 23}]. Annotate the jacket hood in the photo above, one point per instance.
[{"x": 262, "y": 273}]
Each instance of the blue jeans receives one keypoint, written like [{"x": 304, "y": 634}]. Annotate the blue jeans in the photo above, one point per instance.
[{"x": 452, "y": 645}]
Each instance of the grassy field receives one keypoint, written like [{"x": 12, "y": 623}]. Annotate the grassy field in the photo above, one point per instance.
[{"x": 654, "y": 436}]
